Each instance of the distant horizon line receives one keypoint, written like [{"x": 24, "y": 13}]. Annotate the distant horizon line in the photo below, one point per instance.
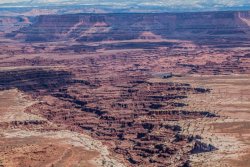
[
  {"x": 139, "y": 7},
  {"x": 142, "y": 11}
]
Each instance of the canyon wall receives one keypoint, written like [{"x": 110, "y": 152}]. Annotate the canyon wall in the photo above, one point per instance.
[{"x": 100, "y": 27}]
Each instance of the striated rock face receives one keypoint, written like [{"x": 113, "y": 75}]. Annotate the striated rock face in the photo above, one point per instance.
[
  {"x": 8, "y": 24},
  {"x": 99, "y": 27},
  {"x": 127, "y": 99},
  {"x": 33, "y": 80},
  {"x": 124, "y": 110}
]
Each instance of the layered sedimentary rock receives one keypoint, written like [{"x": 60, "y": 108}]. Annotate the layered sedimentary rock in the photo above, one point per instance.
[
  {"x": 124, "y": 110},
  {"x": 8, "y": 24},
  {"x": 34, "y": 79},
  {"x": 99, "y": 27},
  {"x": 121, "y": 92}
]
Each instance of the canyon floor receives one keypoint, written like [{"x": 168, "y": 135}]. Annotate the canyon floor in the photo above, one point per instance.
[{"x": 149, "y": 101}]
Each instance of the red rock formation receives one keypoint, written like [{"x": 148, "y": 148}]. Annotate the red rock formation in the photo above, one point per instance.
[{"x": 98, "y": 27}]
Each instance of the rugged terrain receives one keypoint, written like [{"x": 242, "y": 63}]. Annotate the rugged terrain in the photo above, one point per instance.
[{"x": 125, "y": 90}]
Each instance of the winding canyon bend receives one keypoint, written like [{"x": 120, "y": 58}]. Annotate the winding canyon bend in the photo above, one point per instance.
[{"x": 125, "y": 90}]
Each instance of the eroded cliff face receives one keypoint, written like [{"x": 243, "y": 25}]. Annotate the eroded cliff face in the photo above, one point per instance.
[
  {"x": 128, "y": 94},
  {"x": 125, "y": 111},
  {"x": 99, "y": 27},
  {"x": 9, "y": 24}
]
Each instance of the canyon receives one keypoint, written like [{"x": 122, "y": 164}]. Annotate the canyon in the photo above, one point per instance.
[{"x": 128, "y": 89}]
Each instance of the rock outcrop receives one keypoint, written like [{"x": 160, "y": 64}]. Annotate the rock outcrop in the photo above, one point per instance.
[{"x": 100, "y": 27}]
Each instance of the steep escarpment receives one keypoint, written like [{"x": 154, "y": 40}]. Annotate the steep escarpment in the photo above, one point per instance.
[
  {"x": 9, "y": 24},
  {"x": 139, "y": 96},
  {"x": 131, "y": 115},
  {"x": 99, "y": 27},
  {"x": 34, "y": 79}
]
